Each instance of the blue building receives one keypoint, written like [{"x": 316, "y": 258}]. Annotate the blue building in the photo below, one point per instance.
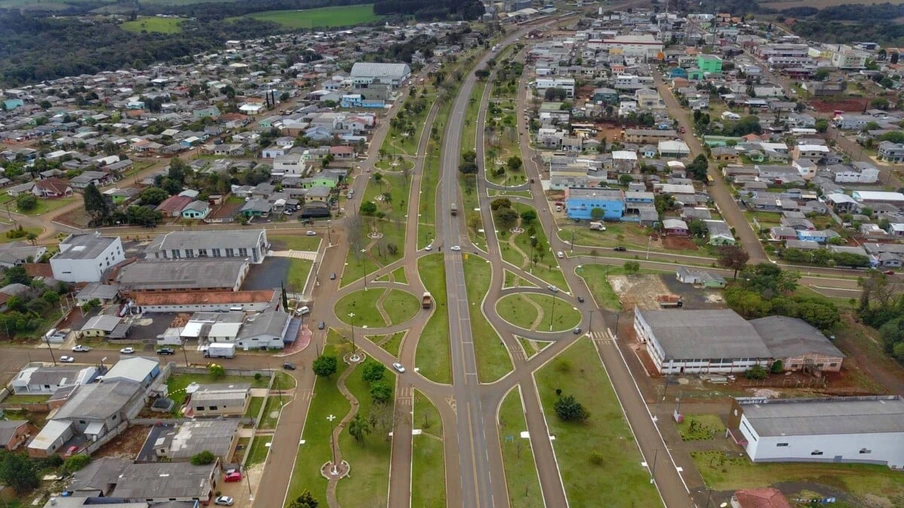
[
  {"x": 579, "y": 203},
  {"x": 12, "y": 104}
]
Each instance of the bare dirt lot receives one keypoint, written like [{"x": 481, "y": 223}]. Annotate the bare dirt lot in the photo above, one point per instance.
[
  {"x": 127, "y": 445},
  {"x": 678, "y": 243},
  {"x": 638, "y": 290},
  {"x": 855, "y": 105}
]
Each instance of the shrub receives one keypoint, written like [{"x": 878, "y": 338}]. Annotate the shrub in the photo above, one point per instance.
[
  {"x": 596, "y": 458},
  {"x": 756, "y": 372},
  {"x": 203, "y": 458}
]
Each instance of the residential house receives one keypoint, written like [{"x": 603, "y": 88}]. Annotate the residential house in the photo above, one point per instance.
[
  {"x": 196, "y": 210},
  {"x": 700, "y": 278},
  {"x": 675, "y": 227},
  {"x": 891, "y": 152},
  {"x": 14, "y": 433},
  {"x": 136, "y": 369},
  {"x": 725, "y": 154},
  {"x": 173, "y": 205},
  {"x": 19, "y": 253},
  {"x": 51, "y": 188},
  {"x": 101, "y": 326},
  {"x": 217, "y": 400},
  {"x": 40, "y": 380},
  {"x": 267, "y": 330}
]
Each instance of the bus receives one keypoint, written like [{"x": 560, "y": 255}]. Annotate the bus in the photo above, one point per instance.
[{"x": 709, "y": 179}]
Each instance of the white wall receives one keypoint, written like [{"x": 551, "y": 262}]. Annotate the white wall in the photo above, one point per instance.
[
  {"x": 883, "y": 448},
  {"x": 87, "y": 270}
]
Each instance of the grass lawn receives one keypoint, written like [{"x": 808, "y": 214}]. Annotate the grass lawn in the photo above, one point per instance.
[
  {"x": 401, "y": 306},
  {"x": 737, "y": 472},
  {"x": 426, "y": 230},
  {"x": 519, "y": 310},
  {"x": 632, "y": 236},
  {"x": 547, "y": 266},
  {"x": 6, "y": 239},
  {"x": 26, "y": 399},
  {"x": 516, "y": 281},
  {"x": 283, "y": 381},
  {"x": 316, "y": 450},
  {"x": 428, "y": 477},
  {"x": 153, "y": 25},
  {"x": 176, "y": 384},
  {"x": 595, "y": 278},
  {"x": 394, "y": 344},
  {"x": 49, "y": 205},
  {"x": 433, "y": 357},
  {"x": 532, "y": 347},
  {"x": 468, "y": 142},
  {"x": 298, "y": 274},
  {"x": 259, "y": 449},
  {"x": 370, "y": 458},
  {"x": 295, "y": 242},
  {"x": 272, "y": 409},
  {"x": 398, "y": 275},
  {"x": 578, "y": 372},
  {"x": 701, "y": 427},
  {"x": 493, "y": 360},
  {"x": 254, "y": 407},
  {"x": 517, "y": 457},
  {"x": 323, "y": 17},
  {"x": 363, "y": 304}
]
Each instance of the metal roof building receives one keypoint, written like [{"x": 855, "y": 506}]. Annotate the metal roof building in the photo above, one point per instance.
[
  {"x": 364, "y": 74},
  {"x": 206, "y": 274},
  {"x": 845, "y": 429}
]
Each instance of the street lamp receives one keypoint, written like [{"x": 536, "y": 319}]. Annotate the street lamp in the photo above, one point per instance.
[
  {"x": 531, "y": 260},
  {"x": 351, "y": 318},
  {"x": 552, "y": 315},
  {"x": 364, "y": 261}
]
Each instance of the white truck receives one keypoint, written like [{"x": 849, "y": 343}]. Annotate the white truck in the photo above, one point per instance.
[
  {"x": 597, "y": 226},
  {"x": 217, "y": 350}
]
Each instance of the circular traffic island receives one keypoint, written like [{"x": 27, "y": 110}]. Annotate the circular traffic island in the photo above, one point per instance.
[
  {"x": 536, "y": 312},
  {"x": 377, "y": 307}
]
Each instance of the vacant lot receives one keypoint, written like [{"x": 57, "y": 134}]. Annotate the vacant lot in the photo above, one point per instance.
[
  {"x": 640, "y": 290},
  {"x": 346, "y": 15},
  {"x": 153, "y": 24}
]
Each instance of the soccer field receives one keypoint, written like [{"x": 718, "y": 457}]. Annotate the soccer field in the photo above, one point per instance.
[{"x": 324, "y": 17}]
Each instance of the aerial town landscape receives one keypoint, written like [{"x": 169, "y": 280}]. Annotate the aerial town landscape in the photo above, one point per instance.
[{"x": 451, "y": 254}]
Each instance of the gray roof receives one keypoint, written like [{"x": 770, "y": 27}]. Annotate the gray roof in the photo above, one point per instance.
[
  {"x": 814, "y": 417},
  {"x": 15, "y": 252},
  {"x": 193, "y": 437},
  {"x": 100, "y": 474},
  {"x": 195, "y": 273},
  {"x": 135, "y": 368},
  {"x": 788, "y": 337},
  {"x": 101, "y": 291},
  {"x": 695, "y": 334},
  {"x": 60, "y": 375},
  {"x": 220, "y": 393},
  {"x": 98, "y": 401},
  {"x": 102, "y": 322},
  {"x": 380, "y": 70},
  {"x": 8, "y": 429},
  {"x": 266, "y": 323},
  {"x": 194, "y": 240},
  {"x": 164, "y": 480},
  {"x": 84, "y": 246}
]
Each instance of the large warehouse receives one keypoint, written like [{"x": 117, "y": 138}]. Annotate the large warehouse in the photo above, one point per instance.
[
  {"x": 846, "y": 429},
  {"x": 721, "y": 341},
  {"x": 365, "y": 74}
]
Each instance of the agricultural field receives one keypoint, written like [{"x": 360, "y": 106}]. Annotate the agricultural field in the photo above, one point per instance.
[
  {"x": 821, "y": 4},
  {"x": 325, "y": 17},
  {"x": 153, "y": 25}
]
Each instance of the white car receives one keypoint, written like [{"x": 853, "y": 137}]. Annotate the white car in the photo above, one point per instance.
[
  {"x": 67, "y": 359},
  {"x": 81, "y": 349},
  {"x": 429, "y": 246},
  {"x": 456, "y": 248},
  {"x": 223, "y": 501},
  {"x": 127, "y": 350},
  {"x": 310, "y": 233},
  {"x": 398, "y": 366}
]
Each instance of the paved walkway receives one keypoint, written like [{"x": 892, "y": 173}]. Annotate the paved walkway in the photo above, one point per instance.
[{"x": 310, "y": 255}]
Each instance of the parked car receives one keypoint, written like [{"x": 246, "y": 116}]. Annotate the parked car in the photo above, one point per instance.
[
  {"x": 301, "y": 311},
  {"x": 234, "y": 476},
  {"x": 889, "y": 272},
  {"x": 127, "y": 350},
  {"x": 552, "y": 288},
  {"x": 166, "y": 351},
  {"x": 310, "y": 233},
  {"x": 80, "y": 349},
  {"x": 223, "y": 501},
  {"x": 70, "y": 451},
  {"x": 288, "y": 366},
  {"x": 67, "y": 359},
  {"x": 398, "y": 367},
  {"x": 620, "y": 249}
]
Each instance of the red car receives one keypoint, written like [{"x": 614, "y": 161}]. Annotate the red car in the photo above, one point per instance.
[
  {"x": 889, "y": 272},
  {"x": 233, "y": 477},
  {"x": 70, "y": 451}
]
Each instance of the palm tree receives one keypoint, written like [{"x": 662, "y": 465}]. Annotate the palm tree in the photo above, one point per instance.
[
  {"x": 358, "y": 427},
  {"x": 31, "y": 237}
]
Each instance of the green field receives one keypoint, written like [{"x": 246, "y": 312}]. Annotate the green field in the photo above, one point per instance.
[
  {"x": 434, "y": 352},
  {"x": 428, "y": 485},
  {"x": 598, "y": 455},
  {"x": 493, "y": 360},
  {"x": 517, "y": 456},
  {"x": 153, "y": 24},
  {"x": 399, "y": 306},
  {"x": 294, "y": 242},
  {"x": 538, "y": 312},
  {"x": 299, "y": 269},
  {"x": 345, "y": 15},
  {"x": 259, "y": 450}
]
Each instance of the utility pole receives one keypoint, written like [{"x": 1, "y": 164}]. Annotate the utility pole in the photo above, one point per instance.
[{"x": 52, "y": 357}]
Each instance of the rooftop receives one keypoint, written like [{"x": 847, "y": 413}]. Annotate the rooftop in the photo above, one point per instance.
[
  {"x": 164, "y": 480},
  {"x": 195, "y": 240},
  {"x": 812, "y": 417},
  {"x": 193, "y": 437},
  {"x": 182, "y": 274},
  {"x": 84, "y": 246},
  {"x": 98, "y": 401},
  {"x": 695, "y": 334},
  {"x": 787, "y": 337}
]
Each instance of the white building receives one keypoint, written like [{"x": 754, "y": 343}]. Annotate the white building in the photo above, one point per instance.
[
  {"x": 632, "y": 82},
  {"x": 250, "y": 244},
  {"x": 85, "y": 258},
  {"x": 846, "y": 57},
  {"x": 289, "y": 164},
  {"x": 644, "y": 47},
  {"x": 364, "y": 74},
  {"x": 847, "y": 429},
  {"x": 566, "y": 84},
  {"x": 857, "y": 172}
]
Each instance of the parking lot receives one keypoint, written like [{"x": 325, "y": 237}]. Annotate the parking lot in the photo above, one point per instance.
[{"x": 267, "y": 275}]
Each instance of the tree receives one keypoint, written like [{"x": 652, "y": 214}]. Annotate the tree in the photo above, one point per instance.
[
  {"x": 500, "y": 203},
  {"x": 697, "y": 228},
  {"x": 380, "y": 392},
  {"x": 570, "y": 410},
  {"x": 528, "y": 216},
  {"x": 325, "y": 365},
  {"x": 203, "y": 458},
  {"x": 96, "y": 205},
  {"x": 358, "y": 427},
  {"x": 822, "y": 74},
  {"x": 26, "y": 202},
  {"x": 625, "y": 180},
  {"x": 514, "y": 163},
  {"x": 305, "y": 500},
  {"x": 153, "y": 196},
  {"x": 216, "y": 371},
  {"x": 18, "y": 472},
  {"x": 698, "y": 167},
  {"x": 631, "y": 267},
  {"x": 31, "y": 237},
  {"x": 597, "y": 213},
  {"x": 822, "y": 125},
  {"x": 505, "y": 218},
  {"x": 76, "y": 463},
  {"x": 368, "y": 208},
  {"x": 733, "y": 258},
  {"x": 373, "y": 371}
]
